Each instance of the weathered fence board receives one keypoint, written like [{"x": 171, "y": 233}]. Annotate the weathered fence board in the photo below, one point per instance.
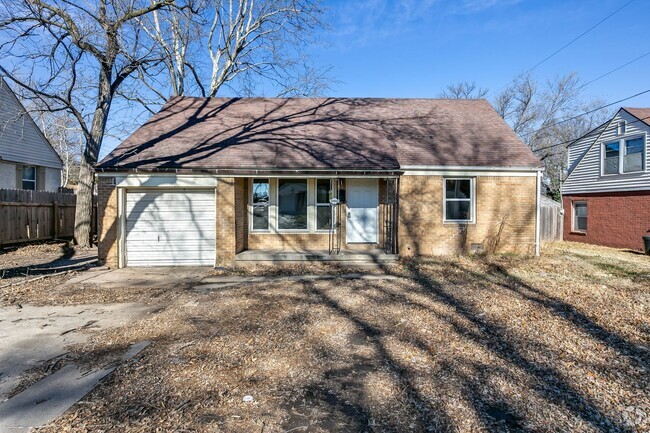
[
  {"x": 551, "y": 220},
  {"x": 35, "y": 215}
]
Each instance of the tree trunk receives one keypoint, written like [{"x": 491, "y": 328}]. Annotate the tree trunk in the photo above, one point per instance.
[{"x": 84, "y": 210}]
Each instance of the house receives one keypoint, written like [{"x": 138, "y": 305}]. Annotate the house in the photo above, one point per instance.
[
  {"x": 215, "y": 181},
  {"x": 606, "y": 194},
  {"x": 27, "y": 159}
]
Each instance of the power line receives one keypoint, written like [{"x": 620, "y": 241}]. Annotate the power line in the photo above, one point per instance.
[
  {"x": 614, "y": 70},
  {"x": 585, "y": 136},
  {"x": 584, "y": 114},
  {"x": 567, "y": 44}
]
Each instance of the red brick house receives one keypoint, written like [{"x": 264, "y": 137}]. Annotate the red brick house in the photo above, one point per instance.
[
  {"x": 218, "y": 181},
  {"x": 606, "y": 195}
]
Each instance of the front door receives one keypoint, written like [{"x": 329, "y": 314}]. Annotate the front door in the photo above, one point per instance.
[{"x": 362, "y": 204}]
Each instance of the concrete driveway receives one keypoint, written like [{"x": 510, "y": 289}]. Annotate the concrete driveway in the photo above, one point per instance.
[{"x": 156, "y": 277}]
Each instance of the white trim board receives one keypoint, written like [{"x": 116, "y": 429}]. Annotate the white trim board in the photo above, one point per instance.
[{"x": 474, "y": 173}]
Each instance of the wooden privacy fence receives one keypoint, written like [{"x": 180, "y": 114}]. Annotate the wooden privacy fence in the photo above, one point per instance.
[
  {"x": 35, "y": 215},
  {"x": 551, "y": 220}
]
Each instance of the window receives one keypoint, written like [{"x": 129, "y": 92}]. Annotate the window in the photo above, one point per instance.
[
  {"x": 620, "y": 128},
  {"x": 29, "y": 177},
  {"x": 292, "y": 204},
  {"x": 260, "y": 204},
  {"x": 458, "y": 200},
  {"x": 633, "y": 160},
  {"x": 580, "y": 217},
  {"x": 323, "y": 207},
  {"x": 612, "y": 152}
]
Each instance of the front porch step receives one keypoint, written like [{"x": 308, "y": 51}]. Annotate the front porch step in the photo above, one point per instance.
[{"x": 347, "y": 257}]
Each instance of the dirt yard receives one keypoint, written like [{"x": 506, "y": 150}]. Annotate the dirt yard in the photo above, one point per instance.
[{"x": 557, "y": 343}]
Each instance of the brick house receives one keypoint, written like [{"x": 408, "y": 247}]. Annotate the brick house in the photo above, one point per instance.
[
  {"x": 218, "y": 181},
  {"x": 606, "y": 195}
]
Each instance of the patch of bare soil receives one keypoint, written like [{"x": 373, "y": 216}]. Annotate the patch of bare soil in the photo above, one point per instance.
[
  {"x": 557, "y": 343},
  {"x": 32, "y": 273}
]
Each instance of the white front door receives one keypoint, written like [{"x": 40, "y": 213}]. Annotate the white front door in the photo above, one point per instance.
[
  {"x": 362, "y": 205},
  {"x": 170, "y": 228}
]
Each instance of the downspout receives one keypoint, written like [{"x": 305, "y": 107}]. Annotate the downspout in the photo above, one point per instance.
[{"x": 539, "y": 203}]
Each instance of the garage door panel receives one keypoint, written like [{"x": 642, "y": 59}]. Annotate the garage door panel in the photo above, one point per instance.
[{"x": 170, "y": 228}]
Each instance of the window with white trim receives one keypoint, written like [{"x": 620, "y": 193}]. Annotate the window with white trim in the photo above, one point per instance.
[
  {"x": 634, "y": 155},
  {"x": 260, "y": 205},
  {"x": 612, "y": 156},
  {"x": 323, "y": 208},
  {"x": 292, "y": 204},
  {"x": 29, "y": 177},
  {"x": 624, "y": 156},
  {"x": 580, "y": 217},
  {"x": 458, "y": 200}
]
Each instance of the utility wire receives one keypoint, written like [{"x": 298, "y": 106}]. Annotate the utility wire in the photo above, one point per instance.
[
  {"x": 583, "y": 114},
  {"x": 614, "y": 70},
  {"x": 592, "y": 132},
  {"x": 567, "y": 44}
]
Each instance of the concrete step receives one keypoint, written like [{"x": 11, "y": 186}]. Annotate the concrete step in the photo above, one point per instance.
[{"x": 355, "y": 257}]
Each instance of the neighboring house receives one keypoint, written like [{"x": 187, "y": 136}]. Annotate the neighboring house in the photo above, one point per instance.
[
  {"x": 211, "y": 180},
  {"x": 27, "y": 159},
  {"x": 606, "y": 195}
]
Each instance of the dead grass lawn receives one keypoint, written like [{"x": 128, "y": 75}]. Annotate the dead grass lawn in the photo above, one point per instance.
[{"x": 557, "y": 343}]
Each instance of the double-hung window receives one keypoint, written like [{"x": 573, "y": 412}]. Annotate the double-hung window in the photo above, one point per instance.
[
  {"x": 260, "y": 204},
  {"x": 580, "y": 217},
  {"x": 624, "y": 156},
  {"x": 458, "y": 203},
  {"x": 612, "y": 156},
  {"x": 633, "y": 159},
  {"x": 292, "y": 204},
  {"x": 29, "y": 177},
  {"x": 323, "y": 207}
]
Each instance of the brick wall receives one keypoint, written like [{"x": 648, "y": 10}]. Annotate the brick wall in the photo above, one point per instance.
[
  {"x": 507, "y": 202},
  {"x": 107, "y": 222},
  {"x": 241, "y": 214},
  {"x": 226, "y": 229},
  {"x": 615, "y": 219}
]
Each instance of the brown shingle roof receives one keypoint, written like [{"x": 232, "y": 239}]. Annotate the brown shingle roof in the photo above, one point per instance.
[
  {"x": 643, "y": 114},
  {"x": 321, "y": 133}
]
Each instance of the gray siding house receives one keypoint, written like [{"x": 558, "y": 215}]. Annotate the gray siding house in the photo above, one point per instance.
[
  {"x": 606, "y": 194},
  {"x": 27, "y": 159}
]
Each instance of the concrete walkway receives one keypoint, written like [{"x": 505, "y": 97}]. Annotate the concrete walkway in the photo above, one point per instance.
[
  {"x": 49, "y": 398},
  {"x": 31, "y": 335}
]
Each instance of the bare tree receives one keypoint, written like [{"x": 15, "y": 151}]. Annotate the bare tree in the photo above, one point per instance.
[
  {"x": 239, "y": 43},
  {"x": 74, "y": 58},
  {"x": 547, "y": 115},
  {"x": 464, "y": 90}
]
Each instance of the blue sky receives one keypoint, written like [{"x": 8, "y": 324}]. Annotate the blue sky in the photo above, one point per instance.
[
  {"x": 414, "y": 48},
  {"x": 411, "y": 48}
]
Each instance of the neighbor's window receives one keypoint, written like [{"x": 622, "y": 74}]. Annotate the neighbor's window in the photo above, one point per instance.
[
  {"x": 260, "y": 204},
  {"x": 323, "y": 208},
  {"x": 612, "y": 153},
  {"x": 29, "y": 178},
  {"x": 292, "y": 204},
  {"x": 458, "y": 200},
  {"x": 580, "y": 217},
  {"x": 633, "y": 159}
]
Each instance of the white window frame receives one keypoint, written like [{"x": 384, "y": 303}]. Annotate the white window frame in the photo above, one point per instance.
[
  {"x": 472, "y": 199},
  {"x": 23, "y": 180},
  {"x": 574, "y": 229},
  {"x": 251, "y": 205},
  {"x": 317, "y": 205},
  {"x": 277, "y": 205},
  {"x": 621, "y": 155}
]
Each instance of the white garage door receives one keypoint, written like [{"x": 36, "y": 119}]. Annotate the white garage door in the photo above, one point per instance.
[{"x": 170, "y": 228}]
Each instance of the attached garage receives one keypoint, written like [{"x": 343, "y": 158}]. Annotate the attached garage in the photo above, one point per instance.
[{"x": 170, "y": 228}]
